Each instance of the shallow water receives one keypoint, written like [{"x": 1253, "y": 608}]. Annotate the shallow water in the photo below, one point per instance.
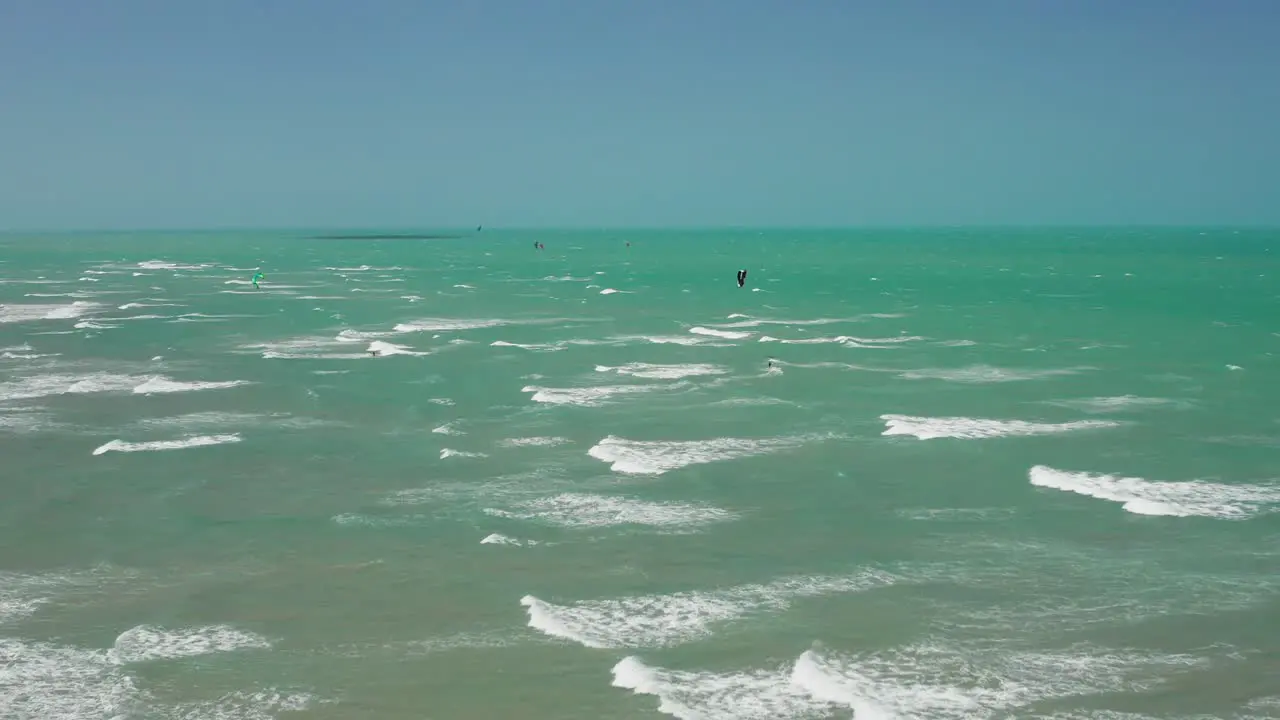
[{"x": 988, "y": 474}]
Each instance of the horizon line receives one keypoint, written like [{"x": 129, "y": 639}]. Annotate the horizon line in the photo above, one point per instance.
[{"x": 471, "y": 231}]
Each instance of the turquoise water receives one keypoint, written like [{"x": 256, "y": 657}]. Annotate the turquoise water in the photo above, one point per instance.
[{"x": 989, "y": 474}]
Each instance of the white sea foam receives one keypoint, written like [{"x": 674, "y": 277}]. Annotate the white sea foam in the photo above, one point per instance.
[
  {"x": 1179, "y": 499},
  {"x": 663, "y": 372},
  {"x": 985, "y": 514},
  {"x": 985, "y": 374},
  {"x": 921, "y": 681},
  {"x": 312, "y": 348},
  {"x": 932, "y": 428},
  {"x": 726, "y": 334},
  {"x": 448, "y": 429},
  {"x": 936, "y": 681},
  {"x": 45, "y": 680},
  {"x": 91, "y": 325},
  {"x": 757, "y": 322},
  {"x": 499, "y": 539},
  {"x": 591, "y": 396},
  {"x": 666, "y": 620},
  {"x": 164, "y": 385},
  {"x": 359, "y": 336},
  {"x": 158, "y": 445},
  {"x": 656, "y": 457},
  {"x": 608, "y": 291},
  {"x": 584, "y": 510},
  {"x": 31, "y": 313},
  {"x": 450, "y": 453},
  {"x": 744, "y": 695},
  {"x": 38, "y": 386},
  {"x": 380, "y": 348},
  {"x": 537, "y": 441},
  {"x": 544, "y": 347},
  {"x": 700, "y": 341},
  {"x": 1113, "y": 404},
  {"x": 146, "y": 643},
  {"x": 165, "y": 265},
  {"x": 246, "y": 705},
  {"x": 446, "y": 325}
]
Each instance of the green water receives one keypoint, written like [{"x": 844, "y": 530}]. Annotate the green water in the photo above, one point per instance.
[{"x": 990, "y": 474}]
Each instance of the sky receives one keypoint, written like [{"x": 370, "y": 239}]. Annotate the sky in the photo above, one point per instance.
[{"x": 135, "y": 114}]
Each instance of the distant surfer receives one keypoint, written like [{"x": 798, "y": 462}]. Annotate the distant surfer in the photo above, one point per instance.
[
  {"x": 742, "y": 278},
  {"x": 256, "y": 278}
]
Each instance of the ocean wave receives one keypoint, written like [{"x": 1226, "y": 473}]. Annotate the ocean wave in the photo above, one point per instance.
[
  {"x": 726, "y": 334},
  {"x": 920, "y": 681},
  {"x": 160, "y": 445},
  {"x": 582, "y": 510},
  {"x": 932, "y": 428},
  {"x": 447, "y": 325},
  {"x": 543, "y": 347},
  {"x": 985, "y": 374},
  {"x": 937, "y": 681},
  {"x": 591, "y": 396},
  {"x": 164, "y": 385},
  {"x": 309, "y": 348},
  {"x": 166, "y": 265},
  {"x": 13, "y": 313},
  {"x": 657, "y": 457},
  {"x": 667, "y": 620},
  {"x": 447, "y": 453},
  {"x": 500, "y": 539},
  {"x": 536, "y": 441},
  {"x": 380, "y": 348},
  {"x": 146, "y": 643},
  {"x": 1178, "y": 499},
  {"x": 47, "y": 680},
  {"x": 1118, "y": 403},
  {"x": 38, "y": 386},
  {"x": 664, "y": 372}
]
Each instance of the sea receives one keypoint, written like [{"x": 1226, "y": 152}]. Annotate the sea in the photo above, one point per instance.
[{"x": 582, "y": 474}]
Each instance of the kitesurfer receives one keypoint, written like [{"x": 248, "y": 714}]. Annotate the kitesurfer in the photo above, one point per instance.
[{"x": 742, "y": 278}]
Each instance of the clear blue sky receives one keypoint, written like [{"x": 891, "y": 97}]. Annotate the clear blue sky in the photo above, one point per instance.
[{"x": 254, "y": 113}]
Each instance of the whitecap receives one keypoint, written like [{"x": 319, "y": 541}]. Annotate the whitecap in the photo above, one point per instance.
[
  {"x": 585, "y": 510},
  {"x": 677, "y": 618},
  {"x": 160, "y": 445},
  {"x": 932, "y": 428},
  {"x": 1112, "y": 404},
  {"x": 537, "y": 441},
  {"x": 446, "y": 324},
  {"x": 663, "y": 372},
  {"x": 984, "y": 374},
  {"x": 447, "y": 453},
  {"x": 500, "y": 539},
  {"x": 1178, "y": 499},
  {"x": 584, "y": 396},
  {"x": 658, "y": 457},
  {"x": 145, "y": 642},
  {"x": 726, "y": 334},
  {"x": 165, "y": 385},
  {"x": 11, "y": 313},
  {"x": 937, "y": 681}
]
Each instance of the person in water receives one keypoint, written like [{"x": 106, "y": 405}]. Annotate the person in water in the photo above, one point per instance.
[{"x": 742, "y": 277}]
